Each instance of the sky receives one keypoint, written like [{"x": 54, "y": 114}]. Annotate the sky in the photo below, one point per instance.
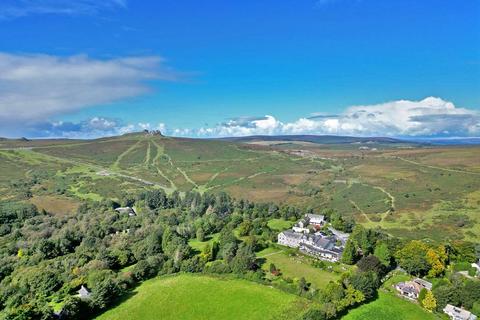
[{"x": 88, "y": 68}]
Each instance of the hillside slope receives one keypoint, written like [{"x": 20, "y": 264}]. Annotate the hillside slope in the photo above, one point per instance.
[{"x": 413, "y": 191}]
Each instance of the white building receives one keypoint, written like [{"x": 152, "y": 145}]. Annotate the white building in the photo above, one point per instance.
[
  {"x": 302, "y": 226},
  {"x": 126, "y": 210},
  {"x": 83, "y": 293},
  {"x": 316, "y": 219},
  {"x": 290, "y": 238},
  {"x": 456, "y": 313},
  {"x": 315, "y": 245}
]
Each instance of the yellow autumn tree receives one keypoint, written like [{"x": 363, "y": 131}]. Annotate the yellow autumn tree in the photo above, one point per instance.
[
  {"x": 436, "y": 258},
  {"x": 429, "y": 302}
]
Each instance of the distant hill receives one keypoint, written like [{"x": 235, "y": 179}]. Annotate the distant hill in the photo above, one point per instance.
[
  {"x": 447, "y": 141},
  {"x": 319, "y": 139}
]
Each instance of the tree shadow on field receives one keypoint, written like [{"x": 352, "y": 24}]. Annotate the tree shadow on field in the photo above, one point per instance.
[{"x": 118, "y": 301}]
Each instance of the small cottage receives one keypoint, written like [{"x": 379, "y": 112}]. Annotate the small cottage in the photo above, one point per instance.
[{"x": 83, "y": 293}]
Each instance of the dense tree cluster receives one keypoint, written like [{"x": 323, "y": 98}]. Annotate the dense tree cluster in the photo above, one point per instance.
[{"x": 46, "y": 258}]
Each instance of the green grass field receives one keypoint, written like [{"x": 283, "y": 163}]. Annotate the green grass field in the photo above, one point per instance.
[
  {"x": 295, "y": 267},
  {"x": 202, "y": 297},
  {"x": 280, "y": 224},
  {"x": 389, "y": 307},
  {"x": 200, "y": 245}
]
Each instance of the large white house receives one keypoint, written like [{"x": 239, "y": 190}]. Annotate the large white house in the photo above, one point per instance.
[
  {"x": 316, "y": 245},
  {"x": 290, "y": 238}
]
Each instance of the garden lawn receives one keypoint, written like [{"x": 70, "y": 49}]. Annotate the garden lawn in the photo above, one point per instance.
[
  {"x": 280, "y": 224},
  {"x": 204, "y": 297},
  {"x": 389, "y": 307},
  {"x": 296, "y": 267}
]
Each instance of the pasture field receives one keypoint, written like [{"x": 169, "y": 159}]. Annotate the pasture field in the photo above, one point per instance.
[
  {"x": 410, "y": 191},
  {"x": 389, "y": 307},
  {"x": 203, "y": 297}
]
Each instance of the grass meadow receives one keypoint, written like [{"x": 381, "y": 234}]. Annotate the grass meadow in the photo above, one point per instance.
[
  {"x": 296, "y": 267},
  {"x": 202, "y": 297}
]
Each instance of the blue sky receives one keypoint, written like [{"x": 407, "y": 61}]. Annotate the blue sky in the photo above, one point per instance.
[{"x": 213, "y": 68}]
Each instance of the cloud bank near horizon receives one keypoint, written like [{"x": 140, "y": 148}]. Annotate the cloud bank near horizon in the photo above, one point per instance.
[{"x": 430, "y": 117}]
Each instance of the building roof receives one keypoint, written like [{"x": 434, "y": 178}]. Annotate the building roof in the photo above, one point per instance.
[
  {"x": 458, "y": 313},
  {"x": 407, "y": 287},
  {"x": 319, "y": 250},
  {"x": 128, "y": 210},
  {"x": 315, "y": 216},
  {"x": 303, "y": 221},
  {"x": 291, "y": 234},
  {"x": 341, "y": 235},
  {"x": 423, "y": 283},
  {"x": 83, "y": 292},
  {"x": 326, "y": 243}
]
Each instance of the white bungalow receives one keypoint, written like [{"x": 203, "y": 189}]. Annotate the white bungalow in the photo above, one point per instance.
[{"x": 456, "y": 313}]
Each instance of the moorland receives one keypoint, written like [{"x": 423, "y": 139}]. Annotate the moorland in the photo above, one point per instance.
[{"x": 412, "y": 190}]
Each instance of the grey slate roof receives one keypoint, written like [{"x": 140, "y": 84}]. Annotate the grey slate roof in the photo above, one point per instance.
[{"x": 293, "y": 235}]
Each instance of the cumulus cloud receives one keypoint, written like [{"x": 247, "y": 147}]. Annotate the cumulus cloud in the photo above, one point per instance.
[
  {"x": 428, "y": 117},
  {"x": 36, "y": 87},
  {"x": 10, "y": 9}
]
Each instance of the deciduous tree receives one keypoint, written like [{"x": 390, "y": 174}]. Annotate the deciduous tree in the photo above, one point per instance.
[{"x": 429, "y": 302}]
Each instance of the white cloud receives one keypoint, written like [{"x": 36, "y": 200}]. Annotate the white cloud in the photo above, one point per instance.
[
  {"x": 10, "y": 9},
  {"x": 428, "y": 117},
  {"x": 36, "y": 87}
]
